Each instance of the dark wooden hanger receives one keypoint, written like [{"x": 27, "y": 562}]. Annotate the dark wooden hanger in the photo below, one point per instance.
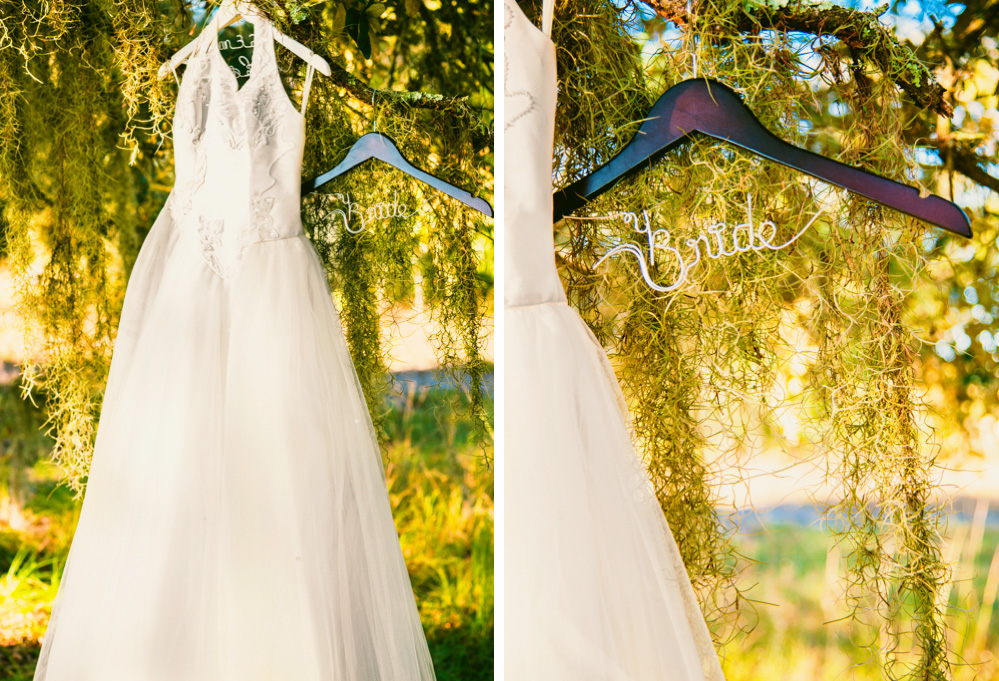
[
  {"x": 708, "y": 107},
  {"x": 375, "y": 145}
]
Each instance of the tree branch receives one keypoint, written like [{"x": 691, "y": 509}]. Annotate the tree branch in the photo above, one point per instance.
[
  {"x": 975, "y": 22},
  {"x": 961, "y": 158},
  {"x": 457, "y": 106},
  {"x": 966, "y": 162},
  {"x": 421, "y": 100},
  {"x": 862, "y": 31}
]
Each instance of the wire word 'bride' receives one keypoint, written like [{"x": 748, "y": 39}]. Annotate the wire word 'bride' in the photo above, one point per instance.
[
  {"x": 719, "y": 241},
  {"x": 383, "y": 210}
]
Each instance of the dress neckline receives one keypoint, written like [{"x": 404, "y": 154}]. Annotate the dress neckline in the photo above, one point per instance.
[{"x": 260, "y": 26}]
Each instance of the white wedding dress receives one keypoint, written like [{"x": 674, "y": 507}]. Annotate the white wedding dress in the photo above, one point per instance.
[
  {"x": 595, "y": 589},
  {"x": 236, "y": 524}
]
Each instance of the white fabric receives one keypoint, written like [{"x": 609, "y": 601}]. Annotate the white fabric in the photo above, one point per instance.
[
  {"x": 547, "y": 16},
  {"x": 595, "y": 589},
  {"x": 309, "y": 72},
  {"x": 236, "y": 525}
]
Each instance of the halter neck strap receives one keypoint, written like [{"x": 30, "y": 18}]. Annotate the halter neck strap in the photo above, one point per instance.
[
  {"x": 547, "y": 16},
  {"x": 308, "y": 84}
]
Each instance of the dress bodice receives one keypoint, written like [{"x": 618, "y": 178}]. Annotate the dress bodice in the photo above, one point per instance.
[
  {"x": 238, "y": 152},
  {"x": 530, "y": 87}
]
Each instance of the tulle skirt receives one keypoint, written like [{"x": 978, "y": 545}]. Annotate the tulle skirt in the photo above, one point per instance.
[
  {"x": 595, "y": 589},
  {"x": 236, "y": 524}
]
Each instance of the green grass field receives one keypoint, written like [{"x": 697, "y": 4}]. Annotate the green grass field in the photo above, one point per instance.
[
  {"x": 441, "y": 492},
  {"x": 796, "y": 626}
]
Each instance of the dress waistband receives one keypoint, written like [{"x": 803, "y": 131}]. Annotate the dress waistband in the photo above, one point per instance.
[
  {"x": 561, "y": 303},
  {"x": 282, "y": 238}
]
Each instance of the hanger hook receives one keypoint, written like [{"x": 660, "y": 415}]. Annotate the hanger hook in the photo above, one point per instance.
[{"x": 374, "y": 112}]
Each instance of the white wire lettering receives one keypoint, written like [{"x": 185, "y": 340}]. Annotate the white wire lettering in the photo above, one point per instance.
[
  {"x": 384, "y": 210},
  {"x": 718, "y": 241},
  {"x": 245, "y": 63},
  {"x": 237, "y": 43}
]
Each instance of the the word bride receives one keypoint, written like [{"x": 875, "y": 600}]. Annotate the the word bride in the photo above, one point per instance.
[{"x": 717, "y": 241}]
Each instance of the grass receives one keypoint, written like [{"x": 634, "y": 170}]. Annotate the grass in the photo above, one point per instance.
[
  {"x": 443, "y": 500},
  {"x": 796, "y": 625},
  {"x": 441, "y": 493}
]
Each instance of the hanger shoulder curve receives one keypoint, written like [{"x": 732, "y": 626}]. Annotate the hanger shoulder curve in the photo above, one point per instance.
[
  {"x": 176, "y": 59},
  {"x": 362, "y": 150},
  {"x": 375, "y": 145},
  {"x": 739, "y": 126},
  {"x": 713, "y": 109},
  {"x": 666, "y": 124}
]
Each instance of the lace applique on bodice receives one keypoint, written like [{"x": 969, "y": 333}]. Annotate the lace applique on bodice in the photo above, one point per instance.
[
  {"x": 238, "y": 153},
  {"x": 530, "y": 88},
  {"x": 518, "y": 103}
]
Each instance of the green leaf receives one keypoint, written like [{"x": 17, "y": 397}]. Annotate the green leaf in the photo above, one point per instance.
[
  {"x": 339, "y": 21},
  {"x": 358, "y": 28}
]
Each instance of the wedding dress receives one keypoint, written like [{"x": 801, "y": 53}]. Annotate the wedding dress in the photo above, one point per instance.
[
  {"x": 236, "y": 524},
  {"x": 595, "y": 589}
]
